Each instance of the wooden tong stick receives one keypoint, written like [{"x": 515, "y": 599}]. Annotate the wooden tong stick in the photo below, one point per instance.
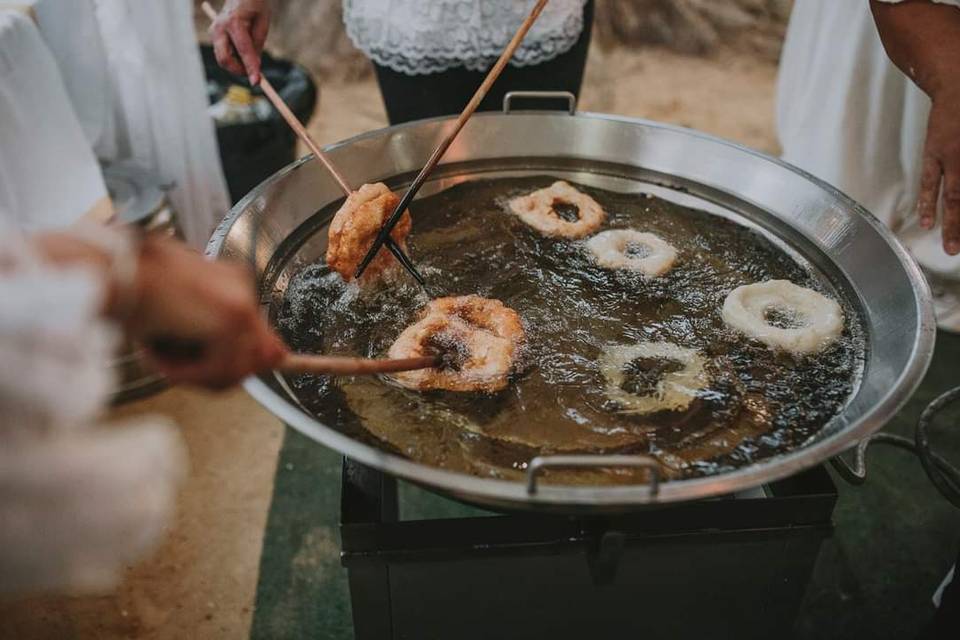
[
  {"x": 304, "y": 135},
  {"x": 189, "y": 350},
  {"x": 475, "y": 101},
  {"x": 334, "y": 365},
  {"x": 291, "y": 118}
]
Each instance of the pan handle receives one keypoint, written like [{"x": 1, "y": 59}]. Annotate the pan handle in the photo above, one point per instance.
[
  {"x": 944, "y": 476},
  {"x": 540, "y": 95},
  {"x": 540, "y": 463}
]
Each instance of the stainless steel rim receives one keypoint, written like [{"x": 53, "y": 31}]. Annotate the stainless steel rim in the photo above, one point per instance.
[{"x": 510, "y": 493}]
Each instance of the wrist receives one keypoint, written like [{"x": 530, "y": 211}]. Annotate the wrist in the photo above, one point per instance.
[
  {"x": 945, "y": 86},
  {"x": 118, "y": 252}
]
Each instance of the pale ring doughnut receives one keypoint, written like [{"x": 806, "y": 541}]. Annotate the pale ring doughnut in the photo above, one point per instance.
[
  {"x": 673, "y": 389},
  {"x": 614, "y": 249},
  {"x": 818, "y": 320},
  {"x": 539, "y": 210}
]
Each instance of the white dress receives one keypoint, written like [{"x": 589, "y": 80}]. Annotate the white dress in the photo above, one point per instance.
[
  {"x": 49, "y": 176},
  {"x": 846, "y": 114},
  {"x": 133, "y": 74},
  {"x": 79, "y": 502},
  {"x": 429, "y": 36}
]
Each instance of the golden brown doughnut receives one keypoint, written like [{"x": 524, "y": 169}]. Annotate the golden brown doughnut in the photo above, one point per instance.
[
  {"x": 479, "y": 338},
  {"x": 355, "y": 227}
]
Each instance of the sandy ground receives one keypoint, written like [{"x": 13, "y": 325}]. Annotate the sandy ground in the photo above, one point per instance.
[
  {"x": 730, "y": 95},
  {"x": 201, "y": 583}
]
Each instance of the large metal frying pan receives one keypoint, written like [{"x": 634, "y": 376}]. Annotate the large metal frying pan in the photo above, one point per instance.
[{"x": 276, "y": 230}]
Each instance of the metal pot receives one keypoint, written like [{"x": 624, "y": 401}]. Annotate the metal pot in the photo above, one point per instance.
[
  {"x": 274, "y": 229},
  {"x": 140, "y": 199}
]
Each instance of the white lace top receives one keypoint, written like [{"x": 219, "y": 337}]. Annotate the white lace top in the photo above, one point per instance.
[{"x": 430, "y": 36}]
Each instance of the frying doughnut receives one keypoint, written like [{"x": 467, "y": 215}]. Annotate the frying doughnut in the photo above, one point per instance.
[
  {"x": 479, "y": 337},
  {"x": 632, "y": 250},
  {"x": 355, "y": 227},
  {"x": 539, "y": 210},
  {"x": 678, "y": 374},
  {"x": 814, "y": 321}
]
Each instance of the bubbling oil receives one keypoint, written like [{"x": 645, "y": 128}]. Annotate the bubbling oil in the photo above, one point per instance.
[{"x": 759, "y": 402}]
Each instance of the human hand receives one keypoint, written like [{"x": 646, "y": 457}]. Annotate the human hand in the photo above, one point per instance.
[
  {"x": 241, "y": 29},
  {"x": 941, "y": 166},
  {"x": 198, "y": 320},
  {"x": 185, "y": 302}
]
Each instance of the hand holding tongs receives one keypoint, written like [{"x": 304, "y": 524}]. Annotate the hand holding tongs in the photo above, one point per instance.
[{"x": 304, "y": 135}]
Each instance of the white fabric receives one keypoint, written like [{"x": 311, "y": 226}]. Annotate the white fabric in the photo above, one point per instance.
[
  {"x": 846, "y": 114},
  {"x": 49, "y": 177},
  {"x": 77, "y": 502},
  {"x": 938, "y": 594},
  {"x": 70, "y": 29},
  {"x": 160, "y": 105},
  {"x": 430, "y": 36}
]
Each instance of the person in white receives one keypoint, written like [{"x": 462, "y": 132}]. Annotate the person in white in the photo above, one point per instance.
[
  {"x": 49, "y": 175},
  {"x": 882, "y": 128},
  {"x": 132, "y": 76},
  {"x": 80, "y": 501},
  {"x": 431, "y": 55},
  {"x": 869, "y": 100}
]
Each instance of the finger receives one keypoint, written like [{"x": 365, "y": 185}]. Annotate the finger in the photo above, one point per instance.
[
  {"x": 261, "y": 27},
  {"x": 929, "y": 191},
  {"x": 203, "y": 370},
  {"x": 272, "y": 349},
  {"x": 248, "y": 53},
  {"x": 225, "y": 55},
  {"x": 201, "y": 373},
  {"x": 951, "y": 208},
  {"x": 241, "y": 357}
]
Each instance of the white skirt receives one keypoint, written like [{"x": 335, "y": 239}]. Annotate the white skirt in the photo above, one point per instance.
[{"x": 847, "y": 115}]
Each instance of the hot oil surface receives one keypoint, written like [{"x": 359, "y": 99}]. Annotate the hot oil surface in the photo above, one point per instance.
[{"x": 759, "y": 403}]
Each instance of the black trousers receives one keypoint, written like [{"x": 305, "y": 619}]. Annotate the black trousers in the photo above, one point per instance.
[
  {"x": 946, "y": 621},
  {"x": 441, "y": 94}
]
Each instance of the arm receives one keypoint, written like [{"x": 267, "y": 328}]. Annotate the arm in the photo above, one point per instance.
[
  {"x": 923, "y": 39},
  {"x": 241, "y": 29},
  {"x": 176, "y": 293}
]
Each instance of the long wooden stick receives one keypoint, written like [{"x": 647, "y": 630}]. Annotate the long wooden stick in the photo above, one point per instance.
[
  {"x": 189, "y": 350},
  {"x": 291, "y": 118},
  {"x": 334, "y": 365},
  {"x": 304, "y": 135},
  {"x": 475, "y": 101}
]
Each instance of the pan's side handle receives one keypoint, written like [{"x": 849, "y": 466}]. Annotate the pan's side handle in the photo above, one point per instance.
[
  {"x": 540, "y": 95},
  {"x": 538, "y": 464},
  {"x": 855, "y": 471},
  {"x": 944, "y": 476}
]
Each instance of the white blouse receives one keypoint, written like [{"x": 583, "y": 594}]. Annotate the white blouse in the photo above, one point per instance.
[
  {"x": 429, "y": 36},
  {"x": 78, "y": 501}
]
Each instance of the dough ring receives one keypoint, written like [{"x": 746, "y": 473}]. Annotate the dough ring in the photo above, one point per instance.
[
  {"x": 632, "y": 250},
  {"x": 479, "y": 337},
  {"x": 653, "y": 376},
  {"x": 559, "y": 211},
  {"x": 355, "y": 227},
  {"x": 783, "y": 315}
]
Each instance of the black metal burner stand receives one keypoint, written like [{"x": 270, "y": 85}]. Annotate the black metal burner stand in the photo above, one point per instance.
[{"x": 728, "y": 568}]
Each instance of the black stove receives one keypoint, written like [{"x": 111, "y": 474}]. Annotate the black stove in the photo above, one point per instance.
[{"x": 732, "y": 567}]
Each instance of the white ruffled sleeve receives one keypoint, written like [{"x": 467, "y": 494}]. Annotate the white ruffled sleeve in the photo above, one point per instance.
[
  {"x": 955, "y": 3},
  {"x": 78, "y": 502}
]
